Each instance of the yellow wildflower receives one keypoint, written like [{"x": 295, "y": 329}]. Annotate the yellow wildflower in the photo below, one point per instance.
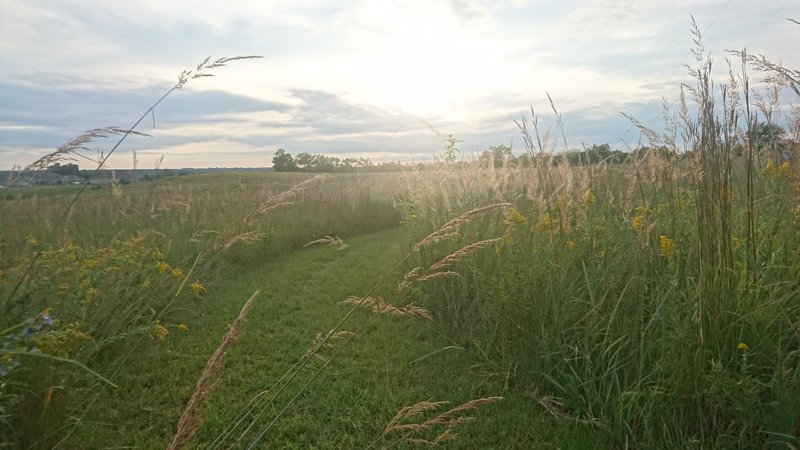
[
  {"x": 91, "y": 293},
  {"x": 63, "y": 288},
  {"x": 588, "y": 197},
  {"x": 146, "y": 284},
  {"x": 571, "y": 244},
  {"x": 182, "y": 327},
  {"x": 638, "y": 224},
  {"x": 666, "y": 246},
  {"x": 198, "y": 288},
  {"x": 771, "y": 169},
  {"x": 545, "y": 224},
  {"x": 785, "y": 168},
  {"x": 743, "y": 346},
  {"x": 61, "y": 342},
  {"x": 159, "y": 331},
  {"x": 514, "y": 217},
  {"x": 162, "y": 267},
  {"x": 177, "y": 273}
]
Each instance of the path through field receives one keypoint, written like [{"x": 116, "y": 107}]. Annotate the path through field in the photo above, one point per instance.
[{"x": 351, "y": 402}]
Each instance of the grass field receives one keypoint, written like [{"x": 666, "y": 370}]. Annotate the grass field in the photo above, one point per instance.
[{"x": 645, "y": 304}]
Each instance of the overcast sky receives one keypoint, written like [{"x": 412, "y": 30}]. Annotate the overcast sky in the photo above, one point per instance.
[{"x": 355, "y": 78}]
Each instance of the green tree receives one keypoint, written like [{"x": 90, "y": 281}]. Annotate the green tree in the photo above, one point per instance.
[
  {"x": 497, "y": 156},
  {"x": 66, "y": 169},
  {"x": 283, "y": 162}
]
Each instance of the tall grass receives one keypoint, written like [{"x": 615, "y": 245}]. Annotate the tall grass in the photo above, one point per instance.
[
  {"x": 657, "y": 299},
  {"x": 91, "y": 274}
]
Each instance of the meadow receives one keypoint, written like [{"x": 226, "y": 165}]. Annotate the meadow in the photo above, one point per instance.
[{"x": 645, "y": 304}]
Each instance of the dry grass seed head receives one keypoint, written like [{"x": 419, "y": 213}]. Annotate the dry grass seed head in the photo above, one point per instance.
[
  {"x": 286, "y": 197},
  {"x": 317, "y": 345},
  {"x": 447, "y": 419},
  {"x": 438, "y": 275},
  {"x": 190, "y": 419},
  {"x": 380, "y": 306},
  {"x": 446, "y": 229},
  {"x": 453, "y": 257},
  {"x": 327, "y": 240}
]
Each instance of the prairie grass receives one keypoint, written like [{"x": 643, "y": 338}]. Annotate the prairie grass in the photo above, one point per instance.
[{"x": 655, "y": 300}]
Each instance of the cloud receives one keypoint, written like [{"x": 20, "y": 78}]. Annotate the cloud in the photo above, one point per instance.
[{"x": 360, "y": 76}]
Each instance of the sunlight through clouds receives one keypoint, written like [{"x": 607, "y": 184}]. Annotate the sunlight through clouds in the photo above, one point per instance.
[{"x": 362, "y": 71}]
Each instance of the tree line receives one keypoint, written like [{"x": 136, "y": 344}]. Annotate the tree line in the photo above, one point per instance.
[{"x": 767, "y": 138}]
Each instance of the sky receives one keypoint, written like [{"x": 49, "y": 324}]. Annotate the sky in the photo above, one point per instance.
[{"x": 356, "y": 78}]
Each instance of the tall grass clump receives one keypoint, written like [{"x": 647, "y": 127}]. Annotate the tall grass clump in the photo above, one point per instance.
[
  {"x": 655, "y": 299},
  {"x": 76, "y": 306}
]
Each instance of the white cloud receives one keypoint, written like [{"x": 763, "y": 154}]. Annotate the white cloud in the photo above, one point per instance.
[{"x": 350, "y": 77}]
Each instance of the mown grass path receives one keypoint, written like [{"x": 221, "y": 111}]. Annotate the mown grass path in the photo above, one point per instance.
[{"x": 350, "y": 403}]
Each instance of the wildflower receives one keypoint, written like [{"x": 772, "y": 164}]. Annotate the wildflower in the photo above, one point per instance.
[
  {"x": 182, "y": 327},
  {"x": 61, "y": 342},
  {"x": 162, "y": 267},
  {"x": 571, "y": 244},
  {"x": 666, "y": 246},
  {"x": 177, "y": 273},
  {"x": 545, "y": 224},
  {"x": 413, "y": 216},
  {"x": 91, "y": 293},
  {"x": 159, "y": 331},
  {"x": 514, "y": 217},
  {"x": 146, "y": 284},
  {"x": 198, "y": 288},
  {"x": 46, "y": 317},
  {"x": 771, "y": 169},
  {"x": 785, "y": 168},
  {"x": 588, "y": 197},
  {"x": 743, "y": 346},
  {"x": 638, "y": 224}
]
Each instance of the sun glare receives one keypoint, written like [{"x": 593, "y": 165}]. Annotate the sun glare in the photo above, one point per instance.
[{"x": 423, "y": 66}]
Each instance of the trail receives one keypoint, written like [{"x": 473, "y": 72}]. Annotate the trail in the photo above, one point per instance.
[{"x": 351, "y": 402}]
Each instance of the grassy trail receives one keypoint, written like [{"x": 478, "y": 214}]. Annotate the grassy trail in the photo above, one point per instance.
[{"x": 351, "y": 402}]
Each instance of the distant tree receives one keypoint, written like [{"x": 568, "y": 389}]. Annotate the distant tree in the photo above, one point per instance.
[
  {"x": 497, "y": 156},
  {"x": 66, "y": 169},
  {"x": 283, "y": 162},
  {"x": 303, "y": 160}
]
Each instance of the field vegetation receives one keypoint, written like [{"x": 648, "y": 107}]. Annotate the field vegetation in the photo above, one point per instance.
[{"x": 650, "y": 301}]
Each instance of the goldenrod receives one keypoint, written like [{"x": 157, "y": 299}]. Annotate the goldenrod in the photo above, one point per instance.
[
  {"x": 198, "y": 288},
  {"x": 667, "y": 246}
]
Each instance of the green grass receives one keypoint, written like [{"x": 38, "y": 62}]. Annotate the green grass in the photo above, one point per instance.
[{"x": 351, "y": 402}]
